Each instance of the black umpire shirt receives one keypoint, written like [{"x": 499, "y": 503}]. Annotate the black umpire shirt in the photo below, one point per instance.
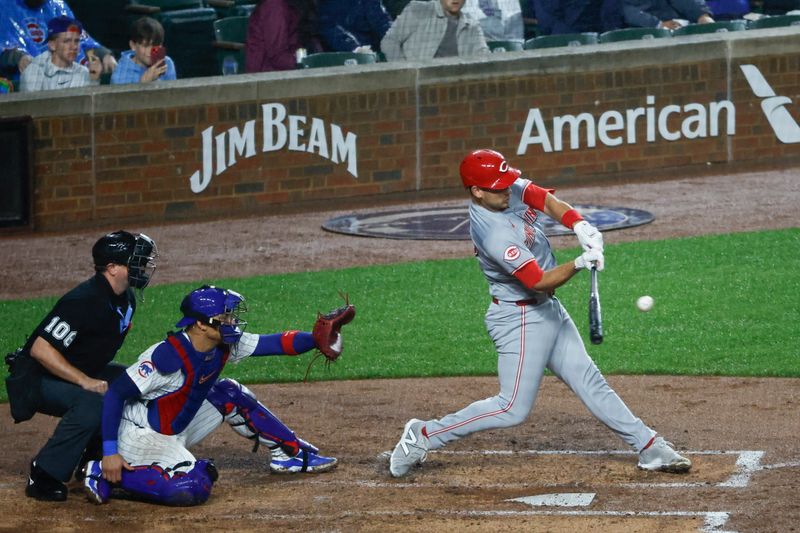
[{"x": 88, "y": 324}]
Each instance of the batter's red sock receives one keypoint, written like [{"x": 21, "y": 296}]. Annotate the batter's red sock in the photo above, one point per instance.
[{"x": 650, "y": 443}]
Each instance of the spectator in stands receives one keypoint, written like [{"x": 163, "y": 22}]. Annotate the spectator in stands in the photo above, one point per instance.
[
  {"x": 23, "y": 32},
  {"x": 558, "y": 17},
  {"x": 146, "y": 61},
  {"x": 731, "y": 9},
  {"x": 56, "y": 68},
  {"x": 669, "y": 14},
  {"x": 277, "y": 29},
  {"x": 352, "y": 25},
  {"x": 500, "y": 20},
  {"x": 433, "y": 28}
]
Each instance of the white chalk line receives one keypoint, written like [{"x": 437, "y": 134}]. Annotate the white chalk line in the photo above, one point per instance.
[
  {"x": 747, "y": 463},
  {"x": 795, "y": 464},
  {"x": 573, "y": 452},
  {"x": 712, "y": 520}
]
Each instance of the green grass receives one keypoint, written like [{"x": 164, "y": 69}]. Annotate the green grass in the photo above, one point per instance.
[{"x": 725, "y": 305}]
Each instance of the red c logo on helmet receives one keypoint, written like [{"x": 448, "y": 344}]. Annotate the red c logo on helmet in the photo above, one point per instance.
[{"x": 503, "y": 166}]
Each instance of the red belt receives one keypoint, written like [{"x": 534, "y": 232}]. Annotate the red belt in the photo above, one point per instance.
[{"x": 523, "y": 303}]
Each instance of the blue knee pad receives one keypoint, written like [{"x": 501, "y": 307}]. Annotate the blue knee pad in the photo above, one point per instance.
[
  {"x": 180, "y": 489},
  {"x": 251, "y": 419}
]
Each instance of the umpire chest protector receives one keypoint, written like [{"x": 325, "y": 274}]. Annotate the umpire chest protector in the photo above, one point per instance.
[{"x": 171, "y": 413}]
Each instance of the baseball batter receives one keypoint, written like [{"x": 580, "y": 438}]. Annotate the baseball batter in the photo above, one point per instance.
[
  {"x": 172, "y": 398},
  {"x": 530, "y": 328}
]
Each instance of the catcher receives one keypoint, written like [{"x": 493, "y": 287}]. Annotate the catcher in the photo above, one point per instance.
[{"x": 172, "y": 398}]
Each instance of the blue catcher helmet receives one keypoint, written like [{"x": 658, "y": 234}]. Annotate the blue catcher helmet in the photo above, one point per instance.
[{"x": 218, "y": 308}]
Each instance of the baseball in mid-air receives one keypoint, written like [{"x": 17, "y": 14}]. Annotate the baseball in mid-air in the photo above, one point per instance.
[{"x": 645, "y": 303}]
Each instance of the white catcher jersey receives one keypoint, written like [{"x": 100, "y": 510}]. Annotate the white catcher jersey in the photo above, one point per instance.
[{"x": 153, "y": 384}]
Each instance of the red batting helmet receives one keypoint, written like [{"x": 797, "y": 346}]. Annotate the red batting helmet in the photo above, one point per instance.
[{"x": 487, "y": 169}]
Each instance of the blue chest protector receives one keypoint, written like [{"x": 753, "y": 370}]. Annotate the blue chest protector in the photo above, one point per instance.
[{"x": 170, "y": 414}]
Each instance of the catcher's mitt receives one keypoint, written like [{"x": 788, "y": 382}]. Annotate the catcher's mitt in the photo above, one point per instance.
[{"x": 327, "y": 329}]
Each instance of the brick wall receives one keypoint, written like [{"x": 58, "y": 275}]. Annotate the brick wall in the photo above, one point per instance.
[{"x": 116, "y": 154}]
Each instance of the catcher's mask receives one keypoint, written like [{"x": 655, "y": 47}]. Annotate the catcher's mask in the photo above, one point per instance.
[
  {"x": 137, "y": 251},
  {"x": 216, "y": 307},
  {"x": 487, "y": 169}
]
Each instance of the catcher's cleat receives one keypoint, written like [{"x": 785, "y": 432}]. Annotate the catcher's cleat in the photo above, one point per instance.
[
  {"x": 97, "y": 488},
  {"x": 304, "y": 461},
  {"x": 412, "y": 449},
  {"x": 660, "y": 456}
]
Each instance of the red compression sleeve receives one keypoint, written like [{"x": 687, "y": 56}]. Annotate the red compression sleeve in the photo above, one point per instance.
[
  {"x": 570, "y": 218},
  {"x": 287, "y": 342},
  {"x": 529, "y": 273},
  {"x": 534, "y": 196}
]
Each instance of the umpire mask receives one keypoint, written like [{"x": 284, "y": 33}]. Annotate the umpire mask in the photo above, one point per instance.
[
  {"x": 137, "y": 251},
  {"x": 142, "y": 264}
]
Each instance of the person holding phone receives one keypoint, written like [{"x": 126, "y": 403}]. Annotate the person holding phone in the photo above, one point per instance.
[{"x": 147, "y": 60}]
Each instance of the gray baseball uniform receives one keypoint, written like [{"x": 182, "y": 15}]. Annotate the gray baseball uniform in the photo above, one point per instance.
[{"x": 531, "y": 330}]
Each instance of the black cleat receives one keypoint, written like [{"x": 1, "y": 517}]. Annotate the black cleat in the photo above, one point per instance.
[{"x": 44, "y": 487}]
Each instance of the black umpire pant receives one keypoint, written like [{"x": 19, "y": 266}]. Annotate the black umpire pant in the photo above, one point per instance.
[{"x": 81, "y": 414}]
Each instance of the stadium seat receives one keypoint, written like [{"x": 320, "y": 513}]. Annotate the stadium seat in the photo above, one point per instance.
[
  {"x": 230, "y": 35},
  {"x": 564, "y": 39},
  {"x": 634, "y": 34},
  {"x": 715, "y": 27},
  {"x": 530, "y": 24},
  {"x": 337, "y": 59},
  {"x": 232, "y": 8},
  {"x": 188, "y": 36},
  {"x": 778, "y": 7},
  {"x": 150, "y": 7},
  {"x": 777, "y": 21},
  {"x": 505, "y": 46}
]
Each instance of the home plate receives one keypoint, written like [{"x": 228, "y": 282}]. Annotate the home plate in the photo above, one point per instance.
[{"x": 559, "y": 499}]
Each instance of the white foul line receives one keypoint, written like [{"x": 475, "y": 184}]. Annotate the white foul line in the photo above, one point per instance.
[
  {"x": 712, "y": 520},
  {"x": 747, "y": 463}
]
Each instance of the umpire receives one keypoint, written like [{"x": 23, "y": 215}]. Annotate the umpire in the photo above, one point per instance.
[{"x": 65, "y": 366}]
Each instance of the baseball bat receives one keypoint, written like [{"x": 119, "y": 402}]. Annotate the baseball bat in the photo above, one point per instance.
[{"x": 595, "y": 318}]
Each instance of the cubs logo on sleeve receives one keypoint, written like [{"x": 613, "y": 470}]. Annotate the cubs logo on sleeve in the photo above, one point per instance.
[
  {"x": 146, "y": 369},
  {"x": 511, "y": 254}
]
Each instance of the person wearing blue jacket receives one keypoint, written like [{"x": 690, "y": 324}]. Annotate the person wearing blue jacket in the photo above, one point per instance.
[
  {"x": 352, "y": 25},
  {"x": 23, "y": 35},
  {"x": 146, "y": 61},
  {"x": 557, "y": 17},
  {"x": 665, "y": 13}
]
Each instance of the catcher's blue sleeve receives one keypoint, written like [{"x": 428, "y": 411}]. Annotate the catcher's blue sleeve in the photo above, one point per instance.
[
  {"x": 122, "y": 389},
  {"x": 286, "y": 343}
]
